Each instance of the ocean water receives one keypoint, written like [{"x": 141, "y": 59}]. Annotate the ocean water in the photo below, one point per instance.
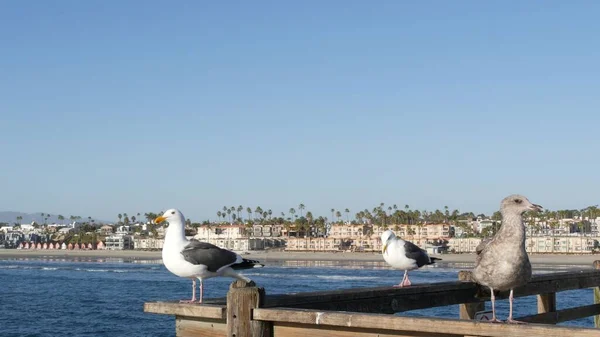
[{"x": 104, "y": 297}]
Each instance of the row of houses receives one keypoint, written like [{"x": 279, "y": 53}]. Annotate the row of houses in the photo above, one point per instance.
[
  {"x": 537, "y": 244},
  {"x": 60, "y": 246}
]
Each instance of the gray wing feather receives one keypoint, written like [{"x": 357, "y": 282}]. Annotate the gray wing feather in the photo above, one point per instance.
[
  {"x": 412, "y": 251},
  {"x": 481, "y": 246},
  {"x": 211, "y": 256}
]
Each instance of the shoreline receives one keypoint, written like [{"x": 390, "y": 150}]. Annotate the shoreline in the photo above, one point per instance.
[{"x": 264, "y": 256}]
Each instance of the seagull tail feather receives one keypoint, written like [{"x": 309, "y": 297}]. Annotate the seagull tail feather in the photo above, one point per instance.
[
  {"x": 433, "y": 259},
  {"x": 247, "y": 264}
]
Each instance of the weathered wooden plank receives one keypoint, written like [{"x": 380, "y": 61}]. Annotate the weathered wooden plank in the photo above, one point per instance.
[
  {"x": 563, "y": 315},
  {"x": 391, "y": 300},
  {"x": 186, "y": 309},
  {"x": 304, "y": 330},
  {"x": 194, "y": 327},
  {"x": 468, "y": 310},
  {"x": 597, "y": 296},
  {"x": 241, "y": 299},
  {"x": 382, "y": 299},
  {"x": 546, "y": 303},
  {"x": 416, "y": 324}
]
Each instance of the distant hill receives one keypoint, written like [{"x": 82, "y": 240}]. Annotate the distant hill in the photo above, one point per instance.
[{"x": 11, "y": 218}]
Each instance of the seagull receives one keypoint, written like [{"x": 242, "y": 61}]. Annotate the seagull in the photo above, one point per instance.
[
  {"x": 194, "y": 259},
  {"x": 405, "y": 255},
  {"x": 502, "y": 262}
]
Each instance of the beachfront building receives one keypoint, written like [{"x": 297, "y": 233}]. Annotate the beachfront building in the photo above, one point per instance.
[
  {"x": 463, "y": 245},
  {"x": 267, "y": 230},
  {"x": 367, "y": 238},
  {"x": 106, "y": 230},
  {"x": 538, "y": 244},
  {"x": 231, "y": 232},
  {"x": 148, "y": 243},
  {"x": 562, "y": 244},
  {"x": 119, "y": 242}
]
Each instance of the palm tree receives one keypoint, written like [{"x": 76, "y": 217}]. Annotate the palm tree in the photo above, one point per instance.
[
  {"x": 229, "y": 213},
  {"x": 249, "y": 211},
  {"x": 446, "y": 213},
  {"x": 301, "y": 208},
  {"x": 338, "y": 214},
  {"x": 347, "y": 211},
  {"x": 219, "y": 215},
  {"x": 270, "y": 212},
  {"x": 292, "y": 211},
  {"x": 332, "y": 215},
  {"x": 239, "y": 211},
  {"x": 120, "y": 216},
  {"x": 61, "y": 218}
]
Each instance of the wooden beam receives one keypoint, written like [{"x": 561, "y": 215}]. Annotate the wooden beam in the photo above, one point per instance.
[
  {"x": 241, "y": 299},
  {"x": 546, "y": 303},
  {"x": 597, "y": 296},
  {"x": 468, "y": 310},
  {"x": 563, "y": 315},
  {"x": 303, "y": 330},
  {"x": 186, "y": 309},
  {"x": 194, "y": 327},
  {"x": 392, "y": 300},
  {"x": 408, "y": 325},
  {"x": 382, "y": 299}
]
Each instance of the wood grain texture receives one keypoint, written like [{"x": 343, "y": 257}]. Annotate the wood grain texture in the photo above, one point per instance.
[
  {"x": 188, "y": 327},
  {"x": 242, "y": 298},
  {"x": 563, "y": 315},
  {"x": 186, "y": 309},
  {"x": 415, "y": 325}
]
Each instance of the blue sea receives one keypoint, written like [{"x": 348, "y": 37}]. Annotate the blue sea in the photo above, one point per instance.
[{"x": 104, "y": 297}]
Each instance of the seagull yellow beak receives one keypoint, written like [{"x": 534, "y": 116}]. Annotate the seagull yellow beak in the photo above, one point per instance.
[
  {"x": 385, "y": 248},
  {"x": 159, "y": 219}
]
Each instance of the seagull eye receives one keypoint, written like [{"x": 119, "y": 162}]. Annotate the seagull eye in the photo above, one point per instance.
[
  {"x": 518, "y": 201},
  {"x": 173, "y": 212}
]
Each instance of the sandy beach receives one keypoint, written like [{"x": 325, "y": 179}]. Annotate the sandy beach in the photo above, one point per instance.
[{"x": 555, "y": 259}]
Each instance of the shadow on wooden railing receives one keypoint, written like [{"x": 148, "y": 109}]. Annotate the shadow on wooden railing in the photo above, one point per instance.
[{"x": 366, "y": 311}]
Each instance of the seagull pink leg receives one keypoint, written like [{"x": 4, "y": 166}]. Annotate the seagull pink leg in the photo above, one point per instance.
[
  {"x": 405, "y": 281},
  {"x": 201, "y": 291},
  {"x": 510, "y": 311},
  {"x": 493, "y": 298},
  {"x": 193, "y": 293}
]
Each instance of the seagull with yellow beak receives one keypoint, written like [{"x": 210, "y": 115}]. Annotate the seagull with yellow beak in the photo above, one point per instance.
[
  {"x": 194, "y": 259},
  {"x": 403, "y": 255}
]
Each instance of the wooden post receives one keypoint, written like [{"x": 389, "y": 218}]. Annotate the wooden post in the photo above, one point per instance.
[
  {"x": 242, "y": 298},
  {"x": 468, "y": 310},
  {"x": 597, "y": 296},
  {"x": 546, "y": 303}
]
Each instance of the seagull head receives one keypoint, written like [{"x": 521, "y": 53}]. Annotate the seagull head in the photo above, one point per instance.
[
  {"x": 385, "y": 238},
  {"x": 171, "y": 216},
  {"x": 518, "y": 204}
]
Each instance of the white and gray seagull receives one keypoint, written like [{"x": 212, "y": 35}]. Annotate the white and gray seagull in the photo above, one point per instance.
[
  {"x": 502, "y": 262},
  {"x": 194, "y": 259},
  {"x": 404, "y": 255}
]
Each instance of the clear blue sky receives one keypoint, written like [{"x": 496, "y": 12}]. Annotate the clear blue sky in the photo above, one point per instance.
[{"x": 137, "y": 106}]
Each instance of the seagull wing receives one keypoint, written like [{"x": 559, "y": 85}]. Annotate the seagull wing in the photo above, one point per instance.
[
  {"x": 412, "y": 251},
  {"x": 213, "y": 257},
  {"x": 481, "y": 246}
]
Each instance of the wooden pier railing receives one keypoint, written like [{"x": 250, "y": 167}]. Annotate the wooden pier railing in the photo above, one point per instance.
[{"x": 247, "y": 311}]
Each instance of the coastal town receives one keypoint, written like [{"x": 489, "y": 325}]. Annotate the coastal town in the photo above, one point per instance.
[{"x": 561, "y": 232}]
